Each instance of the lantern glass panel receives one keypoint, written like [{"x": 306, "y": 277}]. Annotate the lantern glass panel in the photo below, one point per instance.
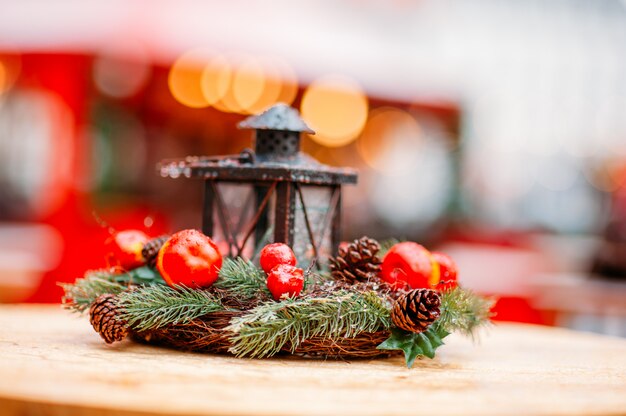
[{"x": 316, "y": 203}]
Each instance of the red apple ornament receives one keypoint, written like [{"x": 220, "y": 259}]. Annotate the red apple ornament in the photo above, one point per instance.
[
  {"x": 123, "y": 249},
  {"x": 276, "y": 254},
  {"x": 409, "y": 264},
  {"x": 447, "y": 271},
  {"x": 285, "y": 281},
  {"x": 189, "y": 258}
]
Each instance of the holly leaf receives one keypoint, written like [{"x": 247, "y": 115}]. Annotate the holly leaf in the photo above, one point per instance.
[
  {"x": 144, "y": 275},
  {"x": 413, "y": 345}
]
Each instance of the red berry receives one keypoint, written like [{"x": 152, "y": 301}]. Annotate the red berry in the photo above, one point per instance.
[
  {"x": 189, "y": 258},
  {"x": 276, "y": 254},
  {"x": 124, "y": 249},
  {"x": 407, "y": 264},
  {"x": 285, "y": 280},
  {"x": 447, "y": 271}
]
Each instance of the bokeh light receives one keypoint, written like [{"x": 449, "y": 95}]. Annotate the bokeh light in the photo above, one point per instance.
[
  {"x": 249, "y": 85},
  {"x": 336, "y": 108},
  {"x": 289, "y": 82},
  {"x": 120, "y": 77},
  {"x": 10, "y": 68},
  {"x": 3, "y": 77},
  {"x": 185, "y": 79},
  {"x": 391, "y": 141},
  {"x": 216, "y": 79}
]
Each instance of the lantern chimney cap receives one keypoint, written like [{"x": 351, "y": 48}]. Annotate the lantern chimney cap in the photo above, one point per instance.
[{"x": 278, "y": 117}]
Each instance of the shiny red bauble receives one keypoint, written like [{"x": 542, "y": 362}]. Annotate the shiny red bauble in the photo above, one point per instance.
[
  {"x": 189, "y": 258},
  {"x": 123, "y": 249},
  {"x": 447, "y": 271},
  {"x": 407, "y": 265},
  {"x": 285, "y": 281},
  {"x": 276, "y": 254}
]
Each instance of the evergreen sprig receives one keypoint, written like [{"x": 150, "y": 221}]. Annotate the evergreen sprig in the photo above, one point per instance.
[
  {"x": 152, "y": 307},
  {"x": 464, "y": 311},
  {"x": 266, "y": 329},
  {"x": 81, "y": 294},
  {"x": 385, "y": 246},
  {"x": 242, "y": 278}
]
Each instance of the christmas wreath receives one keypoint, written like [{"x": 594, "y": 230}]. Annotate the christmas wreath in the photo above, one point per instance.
[{"x": 375, "y": 300}]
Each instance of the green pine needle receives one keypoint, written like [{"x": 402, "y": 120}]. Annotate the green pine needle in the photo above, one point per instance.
[
  {"x": 243, "y": 278},
  {"x": 266, "y": 329},
  {"x": 80, "y": 295},
  {"x": 464, "y": 311},
  {"x": 385, "y": 245},
  {"x": 152, "y": 307}
]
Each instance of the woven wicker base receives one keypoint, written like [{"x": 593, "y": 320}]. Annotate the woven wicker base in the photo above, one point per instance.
[{"x": 208, "y": 335}]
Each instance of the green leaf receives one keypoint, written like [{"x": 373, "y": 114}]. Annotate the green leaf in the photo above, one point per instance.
[
  {"x": 414, "y": 345},
  {"x": 144, "y": 275}
]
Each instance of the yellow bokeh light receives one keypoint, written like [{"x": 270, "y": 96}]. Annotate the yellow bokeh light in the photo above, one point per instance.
[
  {"x": 185, "y": 79},
  {"x": 249, "y": 84},
  {"x": 216, "y": 79},
  {"x": 336, "y": 108},
  {"x": 388, "y": 127}
]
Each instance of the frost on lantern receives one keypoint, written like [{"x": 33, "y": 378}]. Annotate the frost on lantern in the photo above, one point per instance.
[{"x": 296, "y": 199}]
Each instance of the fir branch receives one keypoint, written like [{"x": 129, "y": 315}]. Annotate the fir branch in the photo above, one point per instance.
[
  {"x": 81, "y": 294},
  {"x": 152, "y": 307},
  {"x": 242, "y": 278},
  {"x": 464, "y": 311},
  {"x": 385, "y": 245},
  {"x": 266, "y": 329}
]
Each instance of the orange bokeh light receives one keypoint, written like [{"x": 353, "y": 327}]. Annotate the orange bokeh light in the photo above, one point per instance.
[
  {"x": 216, "y": 79},
  {"x": 185, "y": 79},
  {"x": 336, "y": 108},
  {"x": 3, "y": 77},
  {"x": 387, "y": 125}
]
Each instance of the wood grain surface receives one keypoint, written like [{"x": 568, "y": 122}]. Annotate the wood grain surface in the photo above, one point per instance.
[{"x": 53, "y": 363}]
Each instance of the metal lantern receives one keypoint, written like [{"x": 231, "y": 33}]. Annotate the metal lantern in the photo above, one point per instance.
[{"x": 279, "y": 175}]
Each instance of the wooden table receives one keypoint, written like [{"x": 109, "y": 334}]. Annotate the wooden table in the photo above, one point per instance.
[{"x": 53, "y": 363}]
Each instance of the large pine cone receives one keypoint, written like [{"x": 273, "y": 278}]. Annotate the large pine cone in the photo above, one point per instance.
[
  {"x": 357, "y": 261},
  {"x": 103, "y": 317},
  {"x": 151, "y": 249},
  {"x": 416, "y": 310}
]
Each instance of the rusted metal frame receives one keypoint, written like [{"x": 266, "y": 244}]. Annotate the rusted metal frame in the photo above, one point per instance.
[
  {"x": 256, "y": 217},
  {"x": 309, "y": 229},
  {"x": 335, "y": 236},
  {"x": 285, "y": 213},
  {"x": 262, "y": 225},
  {"x": 252, "y": 173},
  {"x": 223, "y": 217},
  {"x": 207, "y": 209}
]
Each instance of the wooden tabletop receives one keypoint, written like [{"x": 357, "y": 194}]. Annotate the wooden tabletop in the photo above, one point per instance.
[{"x": 53, "y": 363}]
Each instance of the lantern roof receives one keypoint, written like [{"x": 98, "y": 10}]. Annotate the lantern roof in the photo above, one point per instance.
[
  {"x": 277, "y": 157},
  {"x": 279, "y": 117}
]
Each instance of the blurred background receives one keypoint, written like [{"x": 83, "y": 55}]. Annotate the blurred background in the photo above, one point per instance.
[{"x": 494, "y": 130}]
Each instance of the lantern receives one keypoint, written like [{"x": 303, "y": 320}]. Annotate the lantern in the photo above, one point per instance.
[{"x": 280, "y": 177}]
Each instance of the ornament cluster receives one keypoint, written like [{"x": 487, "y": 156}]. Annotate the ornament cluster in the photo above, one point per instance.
[{"x": 403, "y": 294}]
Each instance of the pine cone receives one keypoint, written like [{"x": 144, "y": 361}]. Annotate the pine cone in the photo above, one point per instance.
[
  {"x": 103, "y": 317},
  {"x": 151, "y": 249},
  {"x": 416, "y": 310},
  {"x": 357, "y": 261}
]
